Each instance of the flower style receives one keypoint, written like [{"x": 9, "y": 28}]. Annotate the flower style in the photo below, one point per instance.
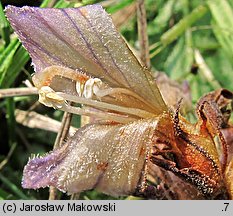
[{"x": 78, "y": 56}]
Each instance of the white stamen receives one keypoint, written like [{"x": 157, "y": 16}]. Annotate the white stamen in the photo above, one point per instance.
[
  {"x": 98, "y": 114},
  {"x": 89, "y": 88},
  {"x": 102, "y": 105},
  {"x": 57, "y": 100},
  {"x": 79, "y": 88},
  {"x": 49, "y": 97}
]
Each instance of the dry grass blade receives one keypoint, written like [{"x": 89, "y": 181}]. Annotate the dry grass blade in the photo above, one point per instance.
[
  {"x": 34, "y": 120},
  {"x": 108, "y": 3},
  {"x": 5, "y": 161},
  {"x": 206, "y": 72},
  {"x": 142, "y": 33},
  {"x": 63, "y": 132},
  {"x": 18, "y": 92},
  {"x": 61, "y": 136},
  {"x": 122, "y": 16}
]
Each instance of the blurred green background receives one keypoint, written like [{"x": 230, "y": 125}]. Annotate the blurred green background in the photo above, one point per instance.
[{"x": 189, "y": 40}]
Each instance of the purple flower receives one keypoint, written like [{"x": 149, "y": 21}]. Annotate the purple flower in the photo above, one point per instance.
[{"x": 79, "y": 56}]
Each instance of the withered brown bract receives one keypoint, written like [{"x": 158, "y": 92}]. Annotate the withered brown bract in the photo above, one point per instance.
[{"x": 80, "y": 57}]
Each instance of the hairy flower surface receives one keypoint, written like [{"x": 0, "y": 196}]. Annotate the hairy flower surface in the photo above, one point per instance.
[
  {"x": 69, "y": 47},
  {"x": 79, "y": 57}
]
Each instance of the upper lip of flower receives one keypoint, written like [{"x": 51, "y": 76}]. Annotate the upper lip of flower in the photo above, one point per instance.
[{"x": 86, "y": 41}]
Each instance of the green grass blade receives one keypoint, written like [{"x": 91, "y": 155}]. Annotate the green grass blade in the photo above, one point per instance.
[
  {"x": 162, "y": 19},
  {"x": 118, "y": 6},
  {"x": 63, "y": 4},
  {"x": 45, "y": 3},
  {"x": 223, "y": 27},
  {"x": 178, "y": 29},
  {"x": 5, "y": 27},
  {"x": 6, "y": 59},
  {"x": 6, "y": 196},
  {"x": 21, "y": 57},
  {"x": 11, "y": 123},
  {"x": 13, "y": 188}
]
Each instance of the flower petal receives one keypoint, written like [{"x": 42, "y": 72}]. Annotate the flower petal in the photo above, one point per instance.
[
  {"x": 84, "y": 39},
  {"x": 109, "y": 157},
  {"x": 40, "y": 171}
]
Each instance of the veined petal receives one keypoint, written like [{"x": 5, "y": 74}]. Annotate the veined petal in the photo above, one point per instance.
[
  {"x": 109, "y": 157},
  {"x": 84, "y": 39}
]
